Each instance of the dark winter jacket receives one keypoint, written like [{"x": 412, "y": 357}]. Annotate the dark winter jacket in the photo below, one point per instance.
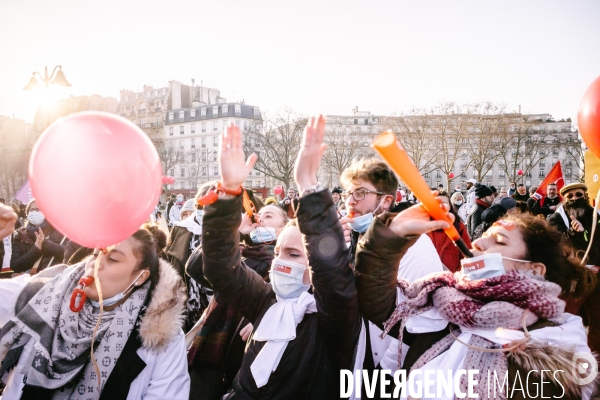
[
  {"x": 326, "y": 340},
  {"x": 543, "y": 206},
  {"x": 474, "y": 218},
  {"x": 25, "y": 254},
  {"x": 579, "y": 240}
]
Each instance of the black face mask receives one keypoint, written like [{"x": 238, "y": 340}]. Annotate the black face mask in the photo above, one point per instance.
[{"x": 577, "y": 203}]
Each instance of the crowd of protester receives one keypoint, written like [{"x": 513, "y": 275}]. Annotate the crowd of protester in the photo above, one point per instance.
[{"x": 241, "y": 298}]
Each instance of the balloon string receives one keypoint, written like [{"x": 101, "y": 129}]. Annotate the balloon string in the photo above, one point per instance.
[
  {"x": 99, "y": 289},
  {"x": 594, "y": 222}
]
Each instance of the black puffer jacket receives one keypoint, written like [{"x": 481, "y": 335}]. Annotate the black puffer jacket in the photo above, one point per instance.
[
  {"x": 325, "y": 340},
  {"x": 25, "y": 253}
]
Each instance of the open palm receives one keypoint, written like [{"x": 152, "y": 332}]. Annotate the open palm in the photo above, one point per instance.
[{"x": 234, "y": 170}]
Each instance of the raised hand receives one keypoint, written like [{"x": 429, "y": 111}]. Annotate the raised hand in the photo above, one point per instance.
[
  {"x": 234, "y": 170},
  {"x": 39, "y": 238},
  {"x": 576, "y": 225},
  {"x": 309, "y": 156},
  {"x": 247, "y": 225},
  {"x": 7, "y": 221},
  {"x": 417, "y": 221}
]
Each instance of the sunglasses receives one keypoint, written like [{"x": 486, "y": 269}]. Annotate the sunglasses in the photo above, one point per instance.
[{"x": 576, "y": 194}]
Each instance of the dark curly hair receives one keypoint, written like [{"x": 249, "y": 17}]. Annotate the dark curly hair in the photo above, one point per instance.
[{"x": 548, "y": 246}]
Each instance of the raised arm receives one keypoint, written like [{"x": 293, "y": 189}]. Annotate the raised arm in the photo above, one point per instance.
[
  {"x": 378, "y": 257},
  {"x": 222, "y": 265},
  {"x": 328, "y": 258}
]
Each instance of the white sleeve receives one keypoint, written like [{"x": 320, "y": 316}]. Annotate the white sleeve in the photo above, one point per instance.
[
  {"x": 420, "y": 260},
  {"x": 165, "y": 376},
  {"x": 9, "y": 291}
]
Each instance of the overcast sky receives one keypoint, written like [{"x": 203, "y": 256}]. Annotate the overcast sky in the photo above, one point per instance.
[{"x": 313, "y": 56}]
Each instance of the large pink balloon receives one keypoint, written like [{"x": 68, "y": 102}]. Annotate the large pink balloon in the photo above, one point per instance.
[{"x": 96, "y": 177}]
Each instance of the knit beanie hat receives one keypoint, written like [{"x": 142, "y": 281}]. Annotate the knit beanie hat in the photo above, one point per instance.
[
  {"x": 189, "y": 205},
  {"x": 482, "y": 191}
]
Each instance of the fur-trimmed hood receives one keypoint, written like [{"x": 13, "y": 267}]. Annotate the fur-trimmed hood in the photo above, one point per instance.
[{"x": 165, "y": 314}]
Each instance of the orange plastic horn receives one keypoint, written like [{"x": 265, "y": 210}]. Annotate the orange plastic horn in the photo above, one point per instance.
[{"x": 396, "y": 157}]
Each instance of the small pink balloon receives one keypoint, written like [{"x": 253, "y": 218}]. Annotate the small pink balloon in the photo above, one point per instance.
[
  {"x": 520, "y": 172},
  {"x": 278, "y": 189},
  {"x": 166, "y": 179},
  {"x": 105, "y": 162}
]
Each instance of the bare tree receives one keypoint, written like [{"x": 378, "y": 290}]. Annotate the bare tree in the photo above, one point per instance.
[
  {"x": 416, "y": 132},
  {"x": 170, "y": 158},
  {"x": 276, "y": 141},
  {"x": 574, "y": 149},
  {"x": 525, "y": 147},
  {"x": 345, "y": 144}
]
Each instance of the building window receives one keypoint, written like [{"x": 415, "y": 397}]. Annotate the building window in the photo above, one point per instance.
[
  {"x": 170, "y": 117},
  {"x": 203, "y": 171},
  {"x": 215, "y": 126},
  {"x": 542, "y": 174},
  {"x": 142, "y": 107},
  {"x": 224, "y": 109},
  {"x": 204, "y": 127},
  {"x": 215, "y": 141},
  {"x": 502, "y": 173},
  {"x": 237, "y": 122},
  {"x": 182, "y": 172},
  {"x": 248, "y": 184},
  {"x": 438, "y": 174},
  {"x": 193, "y": 128},
  {"x": 214, "y": 156},
  {"x": 238, "y": 110},
  {"x": 193, "y": 144},
  {"x": 203, "y": 156},
  {"x": 158, "y": 120},
  {"x": 193, "y": 114},
  {"x": 170, "y": 131},
  {"x": 181, "y": 115},
  {"x": 203, "y": 112},
  {"x": 256, "y": 112},
  {"x": 181, "y": 130},
  {"x": 193, "y": 155},
  {"x": 171, "y": 172},
  {"x": 216, "y": 171},
  {"x": 215, "y": 111},
  {"x": 203, "y": 142},
  {"x": 224, "y": 124},
  {"x": 181, "y": 145}
]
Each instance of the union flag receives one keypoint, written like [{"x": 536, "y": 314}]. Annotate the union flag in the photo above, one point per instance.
[{"x": 554, "y": 176}]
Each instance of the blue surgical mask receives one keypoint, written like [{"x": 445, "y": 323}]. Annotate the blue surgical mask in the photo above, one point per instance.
[
  {"x": 262, "y": 234},
  {"x": 485, "y": 266},
  {"x": 286, "y": 278},
  {"x": 118, "y": 297},
  {"x": 458, "y": 203},
  {"x": 199, "y": 214},
  {"x": 361, "y": 224}
]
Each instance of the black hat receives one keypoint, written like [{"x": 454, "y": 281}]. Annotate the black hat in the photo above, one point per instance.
[
  {"x": 482, "y": 191},
  {"x": 493, "y": 189},
  {"x": 337, "y": 190}
]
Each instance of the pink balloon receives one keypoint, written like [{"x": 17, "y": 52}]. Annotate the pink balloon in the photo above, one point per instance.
[
  {"x": 96, "y": 177},
  {"x": 278, "y": 189},
  {"x": 166, "y": 179},
  {"x": 171, "y": 180}
]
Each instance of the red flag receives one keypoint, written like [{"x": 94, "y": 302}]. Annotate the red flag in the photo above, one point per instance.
[{"x": 554, "y": 176}]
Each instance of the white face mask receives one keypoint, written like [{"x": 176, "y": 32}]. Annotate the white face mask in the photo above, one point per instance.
[
  {"x": 199, "y": 214},
  {"x": 36, "y": 217},
  {"x": 485, "y": 266},
  {"x": 116, "y": 298},
  {"x": 286, "y": 278},
  {"x": 458, "y": 203},
  {"x": 262, "y": 234}
]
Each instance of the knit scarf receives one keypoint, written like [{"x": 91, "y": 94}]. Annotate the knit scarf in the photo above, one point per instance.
[
  {"x": 60, "y": 358},
  {"x": 503, "y": 301},
  {"x": 482, "y": 203}
]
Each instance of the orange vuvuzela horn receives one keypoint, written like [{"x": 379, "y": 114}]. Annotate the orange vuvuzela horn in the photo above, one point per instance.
[{"x": 395, "y": 156}]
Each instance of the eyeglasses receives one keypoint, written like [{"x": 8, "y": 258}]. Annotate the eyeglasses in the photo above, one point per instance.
[
  {"x": 576, "y": 194},
  {"x": 360, "y": 194},
  {"x": 34, "y": 209}
]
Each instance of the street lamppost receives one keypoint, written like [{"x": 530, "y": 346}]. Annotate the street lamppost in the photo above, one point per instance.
[{"x": 55, "y": 78}]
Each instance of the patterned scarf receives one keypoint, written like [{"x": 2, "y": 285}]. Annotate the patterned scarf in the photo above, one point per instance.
[
  {"x": 502, "y": 301},
  {"x": 482, "y": 303},
  {"x": 61, "y": 338}
]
